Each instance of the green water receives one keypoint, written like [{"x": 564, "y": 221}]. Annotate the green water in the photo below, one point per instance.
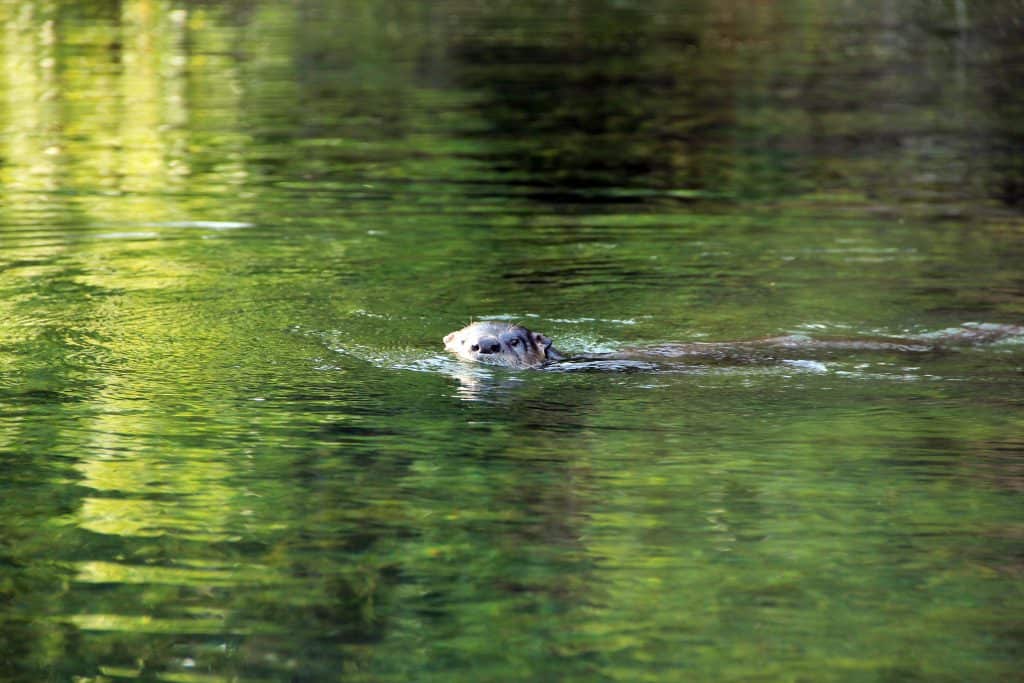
[{"x": 233, "y": 234}]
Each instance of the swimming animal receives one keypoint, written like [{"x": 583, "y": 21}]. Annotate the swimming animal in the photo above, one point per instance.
[
  {"x": 499, "y": 343},
  {"x": 514, "y": 346}
]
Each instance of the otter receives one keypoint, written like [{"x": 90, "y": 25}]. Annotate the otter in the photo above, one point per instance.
[
  {"x": 497, "y": 343},
  {"x": 514, "y": 346}
]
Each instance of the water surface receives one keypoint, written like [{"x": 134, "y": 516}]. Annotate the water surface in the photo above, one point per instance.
[{"x": 233, "y": 234}]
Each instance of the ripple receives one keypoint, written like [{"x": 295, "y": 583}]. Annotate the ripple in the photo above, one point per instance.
[
  {"x": 206, "y": 574},
  {"x": 144, "y": 623},
  {"x": 127, "y": 235},
  {"x": 206, "y": 225}
]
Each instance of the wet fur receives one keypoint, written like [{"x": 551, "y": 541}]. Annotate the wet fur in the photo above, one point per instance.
[
  {"x": 498, "y": 343},
  {"x": 514, "y": 346}
]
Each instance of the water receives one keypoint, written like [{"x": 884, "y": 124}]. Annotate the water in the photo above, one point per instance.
[{"x": 232, "y": 236}]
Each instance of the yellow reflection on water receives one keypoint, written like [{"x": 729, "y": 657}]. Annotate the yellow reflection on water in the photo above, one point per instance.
[
  {"x": 31, "y": 95},
  {"x": 186, "y": 494},
  {"x": 183, "y": 572},
  {"x": 153, "y": 94},
  {"x": 148, "y": 624},
  {"x": 118, "y": 105}
]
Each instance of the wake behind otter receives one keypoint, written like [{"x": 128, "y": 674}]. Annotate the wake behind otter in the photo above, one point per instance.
[{"x": 514, "y": 346}]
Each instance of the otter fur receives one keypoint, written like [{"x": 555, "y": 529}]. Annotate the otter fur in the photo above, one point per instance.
[
  {"x": 498, "y": 343},
  {"x": 514, "y": 346}
]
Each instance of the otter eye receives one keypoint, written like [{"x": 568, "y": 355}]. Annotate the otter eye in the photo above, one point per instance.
[
  {"x": 474, "y": 347},
  {"x": 514, "y": 342}
]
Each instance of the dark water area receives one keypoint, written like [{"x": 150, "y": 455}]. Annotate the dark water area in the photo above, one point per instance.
[{"x": 233, "y": 235}]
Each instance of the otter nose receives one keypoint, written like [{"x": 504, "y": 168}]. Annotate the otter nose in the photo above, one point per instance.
[{"x": 487, "y": 345}]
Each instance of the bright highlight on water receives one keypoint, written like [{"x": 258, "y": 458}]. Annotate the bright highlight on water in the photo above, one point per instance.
[{"x": 740, "y": 246}]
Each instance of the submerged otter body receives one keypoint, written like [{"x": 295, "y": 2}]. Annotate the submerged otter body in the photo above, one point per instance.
[{"x": 514, "y": 346}]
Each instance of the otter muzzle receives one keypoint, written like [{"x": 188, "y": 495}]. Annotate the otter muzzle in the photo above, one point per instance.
[{"x": 486, "y": 345}]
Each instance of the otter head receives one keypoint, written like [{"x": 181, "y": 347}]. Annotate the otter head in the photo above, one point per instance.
[{"x": 499, "y": 343}]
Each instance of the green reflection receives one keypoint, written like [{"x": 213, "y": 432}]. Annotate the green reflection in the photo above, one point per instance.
[{"x": 232, "y": 235}]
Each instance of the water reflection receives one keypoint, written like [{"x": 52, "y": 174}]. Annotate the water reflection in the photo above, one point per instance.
[
  {"x": 233, "y": 234},
  {"x": 728, "y": 103},
  {"x": 703, "y": 102}
]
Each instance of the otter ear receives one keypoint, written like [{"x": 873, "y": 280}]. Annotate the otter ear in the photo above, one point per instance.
[{"x": 542, "y": 341}]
